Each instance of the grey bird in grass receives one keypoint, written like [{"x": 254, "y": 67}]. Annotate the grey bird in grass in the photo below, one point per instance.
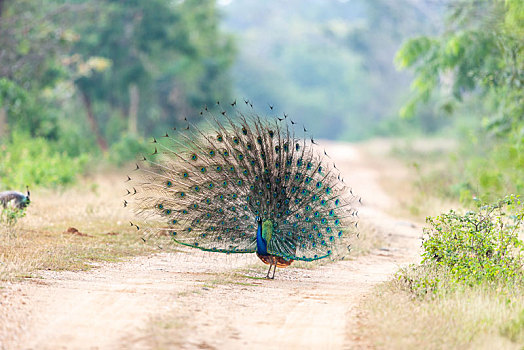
[{"x": 15, "y": 199}]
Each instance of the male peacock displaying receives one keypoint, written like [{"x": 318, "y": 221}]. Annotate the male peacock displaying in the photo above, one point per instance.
[{"x": 246, "y": 185}]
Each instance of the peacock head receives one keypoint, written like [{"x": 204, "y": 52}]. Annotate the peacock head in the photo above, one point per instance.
[
  {"x": 266, "y": 227},
  {"x": 27, "y": 200}
]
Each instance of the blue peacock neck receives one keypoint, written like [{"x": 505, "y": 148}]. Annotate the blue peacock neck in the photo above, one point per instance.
[{"x": 261, "y": 242}]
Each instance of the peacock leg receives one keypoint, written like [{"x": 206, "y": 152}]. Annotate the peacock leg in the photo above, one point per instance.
[
  {"x": 267, "y": 276},
  {"x": 274, "y": 269}
]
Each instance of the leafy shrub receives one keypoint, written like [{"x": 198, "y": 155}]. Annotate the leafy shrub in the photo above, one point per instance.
[
  {"x": 480, "y": 245},
  {"x": 9, "y": 218},
  {"x": 35, "y": 161}
]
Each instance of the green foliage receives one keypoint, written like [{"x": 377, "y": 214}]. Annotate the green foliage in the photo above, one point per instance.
[
  {"x": 173, "y": 52},
  {"x": 127, "y": 149},
  {"x": 475, "y": 70},
  {"x": 36, "y": 161},
  {"x": 9, "y": 216},
  {"x": 481, "y": 51},
  {"x": 478, "y": 246}
]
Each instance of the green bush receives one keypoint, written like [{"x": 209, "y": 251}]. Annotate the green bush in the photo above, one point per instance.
[
  {"x": 36, "y": 161},
  {"x": 480, "y": 245}
]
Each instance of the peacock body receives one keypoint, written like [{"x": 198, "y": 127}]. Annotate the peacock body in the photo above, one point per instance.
[
  {"x": 15, "y": 199},
  {"x": 244, "y": 184}
]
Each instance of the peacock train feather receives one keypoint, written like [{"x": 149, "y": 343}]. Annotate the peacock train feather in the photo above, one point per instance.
[{"x": 245, "y": 184}]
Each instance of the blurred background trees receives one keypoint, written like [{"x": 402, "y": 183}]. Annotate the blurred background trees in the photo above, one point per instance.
[{"x": 87, "y": 81}]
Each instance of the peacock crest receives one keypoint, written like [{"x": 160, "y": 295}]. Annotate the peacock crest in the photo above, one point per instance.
[{"x": 245, "y": 184}]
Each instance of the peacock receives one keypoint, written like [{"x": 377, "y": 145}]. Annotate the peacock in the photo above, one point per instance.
[
  {"x": 245, "y": 184},
  {"x": 15, "y": 199}
]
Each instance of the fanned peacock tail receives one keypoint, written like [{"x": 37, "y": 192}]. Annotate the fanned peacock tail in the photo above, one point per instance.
[{"x": 210, "y": 184}]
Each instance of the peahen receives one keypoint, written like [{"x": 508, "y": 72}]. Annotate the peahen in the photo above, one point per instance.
[
  {"x": 15, "y": 199},
  {"x": 244, "y": 184}
]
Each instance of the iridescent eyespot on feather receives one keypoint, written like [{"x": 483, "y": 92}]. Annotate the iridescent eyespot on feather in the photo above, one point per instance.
[
  {"x": 194, "y": 157},
  {"x": 220, "y": 138},
  {"x": 337, "y": 222},
  {"x": 271, "y": 133},
  {"x": 299, "y": 162},
  {"x": 160, "y": 206},
  {"x": 203, "y": 170},
  {"x": 328, "y": 190},
  {"x": 240, "y": 156},
  {"x": 309, "y": 165},
  {"x": 244, "y": 131},
  {"x": 319, "y": 184},
  {"x": 218, "y": 168},
  {"x": 277, "y": 149},
  {"x": 337, "y": 202},
  {"x": 168, "y": 212},
  {"x": 236, "y": 141},
  {"x": 185, "y": 175},
  {"x": 182, "y": 194},
  {"x": 339, "y": 233},
  {"x": 208, "y": 201},
  {"x": 331, "y": 238},
  {"x": 210, "y": 185},
  {"x": 225, "y": 153},
  {"x": 174, "y": 221},
  {"x": 212, "y": 153},
  {"x": 259, "y": 140},
  {"x": 319, "y": 170},
  {"x": 297, "y": 146},
  {"x": 195, "y": 206},
  {"x": 232, "y": 169},
  {"x": 169, "y": 184},
  {"x": 286, "y": 147},
  {"x": 328, "y": 229},
  {"x": 308, "y": 208},
  {"x": 331, "y": 212},
  {"x": 224, "y": 184},
  {"x": 249, "y": 146},
  {"x": 239, "y": 182},
  {"x": 317, "y": 214}
]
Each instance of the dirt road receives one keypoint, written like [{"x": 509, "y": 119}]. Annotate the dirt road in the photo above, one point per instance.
[{"x": 201, "y": 300}]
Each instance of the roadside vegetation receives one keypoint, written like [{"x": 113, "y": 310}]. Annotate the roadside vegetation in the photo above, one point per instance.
[{"x": 468, "y": 290}]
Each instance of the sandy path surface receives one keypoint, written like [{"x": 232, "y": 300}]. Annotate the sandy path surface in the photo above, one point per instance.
[{"x": 201, "y": 300}]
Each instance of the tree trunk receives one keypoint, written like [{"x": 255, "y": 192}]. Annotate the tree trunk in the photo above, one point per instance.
[
  {"x": 93, "y": 122},
  {"x": 134, "y": 99}
]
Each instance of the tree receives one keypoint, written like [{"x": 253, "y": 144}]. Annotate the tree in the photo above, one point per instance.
[
  {"x": 167, "y": 59},
  {"x": 481, "y": 52}
]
